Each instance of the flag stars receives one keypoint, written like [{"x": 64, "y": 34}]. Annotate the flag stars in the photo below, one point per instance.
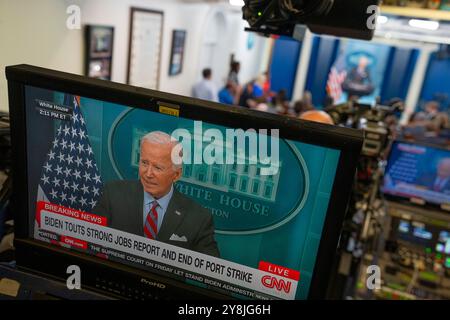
[
  {"x": 93, "y": 203},
  {"x": 67, "y": 172},
  {"x": 95, "y": 191},
  {"x": 61, "y": 157},
  {"x": 83, "y": 201},
  {"x": 66, "y": 184},
  {"x": 64, "y": 144},
  {"x": 48, "y": 167},
  {"x": 70, "y": 175},
  {"x": 66, "y": 130},
  {"x": 79, "y": 161},
  {"x": 72, "y": 199},
  {"x": 55, "y": 182},
  {"x": 77, "y": 174},
  {"x": 54, "y": 194},
  {"x": 45, "y": 179},
  {"x": 82, "y": 134},
  {"x": 58, "y": 169},
  {"x": 85, "y": 189},
  {"x": 96, "y": 178},
  {"x": 69, "y": 159},
  {"x": 74, "y": 187},
  {"x": 51, "y": 155},
  {"x": 89, "y": 163},
  {"x": 80, "y": 148}
]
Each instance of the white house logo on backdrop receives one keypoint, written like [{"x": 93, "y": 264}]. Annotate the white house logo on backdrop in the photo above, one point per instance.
[{"x": 237, "y": 174}]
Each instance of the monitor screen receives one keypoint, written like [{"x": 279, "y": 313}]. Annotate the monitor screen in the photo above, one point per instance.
[
  {"x": 403, "y": 226},
  {"x": 238, "y": 211},
  {"x": 416, "y": 232},
  {"x": 418, "y": 171}
]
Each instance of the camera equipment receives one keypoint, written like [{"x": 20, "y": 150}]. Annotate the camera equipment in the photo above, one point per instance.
[
  {"x": 362, "y": 233},
  {"x": 371, "y": 119},
  {"x": 343, "y": 18}
]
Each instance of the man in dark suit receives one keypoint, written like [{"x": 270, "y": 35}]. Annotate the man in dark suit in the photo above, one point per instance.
[
  {"x": 358, "y": 82},
  {"x": 439, "y": 182},
  {"x": 151, "y": 207}
]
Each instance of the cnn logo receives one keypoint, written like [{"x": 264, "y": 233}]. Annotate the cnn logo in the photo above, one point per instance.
[{"x": 273, "y": 282}]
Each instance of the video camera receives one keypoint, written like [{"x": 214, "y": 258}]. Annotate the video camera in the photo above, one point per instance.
[
  {"x": 371, "y": 119},
  {"x": 342, "y": 18}
]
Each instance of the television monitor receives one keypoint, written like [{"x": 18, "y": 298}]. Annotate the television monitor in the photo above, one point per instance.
[
  {"x": 403, "y": 226},
  {"x": 415, "y": 232},
  {"x": 418, "y": 173},
  {"x": 444, "y": 236},
  {"x": 252, "y": 203}
]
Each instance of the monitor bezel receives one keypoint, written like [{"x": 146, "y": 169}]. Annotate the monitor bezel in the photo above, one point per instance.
[{"x": 347, "y": 141}]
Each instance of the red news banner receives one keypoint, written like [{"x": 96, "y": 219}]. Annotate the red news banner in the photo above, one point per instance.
[
  {"x": 78, "y": 228},
  {"x": 68, "y": 212}
]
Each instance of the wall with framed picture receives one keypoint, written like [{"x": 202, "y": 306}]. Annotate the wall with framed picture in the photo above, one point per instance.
[
  {"x": 99, "y": 50},
  {"x": 144, "y": 51},
  {"x": 177, "y": 52}
]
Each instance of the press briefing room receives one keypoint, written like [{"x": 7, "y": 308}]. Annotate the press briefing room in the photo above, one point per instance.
[{"x": 232, "y": 150}]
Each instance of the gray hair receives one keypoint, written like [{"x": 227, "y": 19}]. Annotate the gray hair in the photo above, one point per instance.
[
  {"x": 159, "y": 137},
  {"x": 444, "y": 161}
]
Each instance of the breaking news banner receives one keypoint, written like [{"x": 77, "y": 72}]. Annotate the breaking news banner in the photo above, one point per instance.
[{"x": 78, "y": 229}]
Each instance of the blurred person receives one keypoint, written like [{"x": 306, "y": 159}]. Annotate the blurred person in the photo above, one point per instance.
[
  {"x": 358, "y": 81},
  {"x": 305, "y": 104},
  {"x": 251, "y": 92},
  {"x": 266, "y": 84},
  {"x": 205, "y": 89},
  {"x": 226, "y": 94},
  {"x": 233, "y": 79},
  {"x": 246, "y": 96},
  {"x": 434, "y": 119},
  {"x": 258, "y": 84},
  {"x": 440, "y": 180},
  {"x": 233, "y": 75},
  {"x": 317, "y": 116},
  {"x": 281, "y": 103},
  {"x": 328, "y": 101},
  {"x": 262, "y": 83},
  {"x": 431, "y": 120},
  {"x": 261, "y": 104}
]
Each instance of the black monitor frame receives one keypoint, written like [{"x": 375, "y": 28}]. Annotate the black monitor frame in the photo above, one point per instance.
[{"x": 50, "y": 260}]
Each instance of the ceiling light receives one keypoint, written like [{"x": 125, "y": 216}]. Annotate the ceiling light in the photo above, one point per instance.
[
  {"x": 424, "y": 24},
  {"x": 382, "y": 19},
  {"x": 238, "y": 3}
]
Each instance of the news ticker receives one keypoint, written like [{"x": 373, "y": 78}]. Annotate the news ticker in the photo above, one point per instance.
[{"x": 88, "y": 232}]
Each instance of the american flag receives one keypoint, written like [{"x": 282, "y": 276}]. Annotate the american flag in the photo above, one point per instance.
[
  {"x": 70, "y": 176},
  {"x": 334, "y": 83}
]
